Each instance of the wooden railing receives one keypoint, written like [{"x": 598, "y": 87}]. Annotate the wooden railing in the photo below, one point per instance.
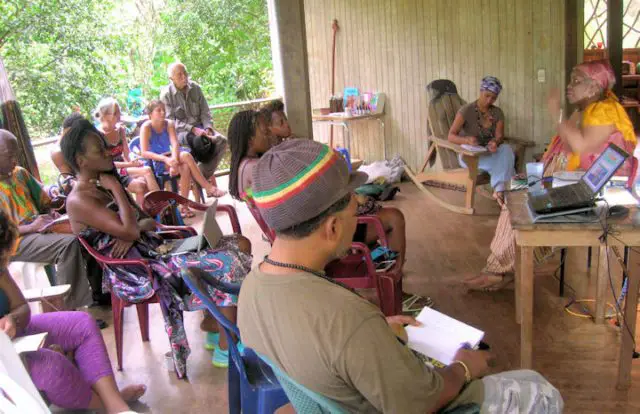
[{"x": 221, "y": 114}]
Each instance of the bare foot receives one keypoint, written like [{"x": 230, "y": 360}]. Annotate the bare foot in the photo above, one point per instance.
[
  {"x": 482, "y": 280},
  {"x": 216, "y": 192},
  {"x": 133, "y": 393},
  {"x": 489, "y": 282},
  {"x": 208, "y": 324}
]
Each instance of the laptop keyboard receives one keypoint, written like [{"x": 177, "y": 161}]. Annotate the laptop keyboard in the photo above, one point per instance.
[{"x": 569, "y": 195}]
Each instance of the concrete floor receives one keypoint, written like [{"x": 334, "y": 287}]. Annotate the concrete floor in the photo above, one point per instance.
[{"x": 577, "y": 356}]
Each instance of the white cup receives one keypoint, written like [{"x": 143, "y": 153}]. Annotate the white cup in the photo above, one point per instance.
[{"x": 168, "y": 362}]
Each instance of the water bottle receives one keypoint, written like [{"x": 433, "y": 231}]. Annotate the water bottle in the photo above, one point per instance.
[{"x": 345, "y": 154}]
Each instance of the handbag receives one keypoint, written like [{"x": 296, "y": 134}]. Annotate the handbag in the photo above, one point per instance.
[{"x": 203, "y": 148}]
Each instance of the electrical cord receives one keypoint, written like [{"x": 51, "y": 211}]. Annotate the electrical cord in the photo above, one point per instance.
[{"x": 604, "y": 238}]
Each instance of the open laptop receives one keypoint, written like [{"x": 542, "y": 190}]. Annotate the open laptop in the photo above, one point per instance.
[
  {"x": 583, "y": 193},
  {"x": 210, "y": 236}
]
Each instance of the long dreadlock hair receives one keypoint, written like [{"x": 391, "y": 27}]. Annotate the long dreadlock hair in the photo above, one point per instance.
[{"x": 241, "y": 129}]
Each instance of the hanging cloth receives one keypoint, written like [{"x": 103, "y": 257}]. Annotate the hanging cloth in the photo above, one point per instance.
[{"x": 11, "y": 119}]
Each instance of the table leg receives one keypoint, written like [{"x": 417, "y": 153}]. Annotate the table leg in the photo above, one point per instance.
[
  {"x": 384, "y": 139},
  {"x": 518, "y": 282},
  {"x": 526, "y": 304},
  {"x": 630, "y": 313},
  {"x": 602, "y": 279},
  {"x": 347, "y": 137}
]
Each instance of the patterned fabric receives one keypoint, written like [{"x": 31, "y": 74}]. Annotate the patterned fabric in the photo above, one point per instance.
[
  {"x": 520, "y": 392},
  {"x": 475, "y": 122},
  {"x": 116, "y": 150},
  {"x": 605, "y": 112},
  {"x": 226, "y": 262},
  {"x": 22, "y": 196},
  {"x": 11, "y": 119},
  {"x": 298, "y": 180},
  {"x": 491, "y": 84},
  {"x": 368, "y": 206},
  {"x": 556, "y": 158},
  {"x": 600, "y": 71},
  {"x": 296, "y": 184},
  {"x": 502, "y": 258}
]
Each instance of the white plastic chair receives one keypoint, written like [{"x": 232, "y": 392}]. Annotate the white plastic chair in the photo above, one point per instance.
[
  {"x": 34, "y": 283},
  {"x": 16, "y": 383},
  {"x": 29, "y": 275}
]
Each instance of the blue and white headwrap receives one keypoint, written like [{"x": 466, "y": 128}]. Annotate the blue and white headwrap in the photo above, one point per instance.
[{"x": 491, "y": 84}]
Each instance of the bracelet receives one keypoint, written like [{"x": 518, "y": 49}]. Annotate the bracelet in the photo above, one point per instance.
[{"x": 467, "y": 372}]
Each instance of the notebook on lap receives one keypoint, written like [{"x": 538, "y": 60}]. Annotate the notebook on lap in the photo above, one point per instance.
[
  {"x": 583, "y": 193},
  {"x": 210, "y": 236}
]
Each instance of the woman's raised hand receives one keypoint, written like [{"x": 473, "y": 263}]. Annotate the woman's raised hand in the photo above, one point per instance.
[{"x": 554, "y": 103}]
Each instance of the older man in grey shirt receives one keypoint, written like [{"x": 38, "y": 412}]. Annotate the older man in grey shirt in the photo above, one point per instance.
[{"x": 187, "y": 107}]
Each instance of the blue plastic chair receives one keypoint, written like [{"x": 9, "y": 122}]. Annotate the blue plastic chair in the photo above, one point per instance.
[
  {"x": 253, "y": 388},
  {"x": 303, "y": 399}
]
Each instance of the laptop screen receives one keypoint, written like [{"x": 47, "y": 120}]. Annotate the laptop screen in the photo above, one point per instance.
[{"x": 604, "y": 167}]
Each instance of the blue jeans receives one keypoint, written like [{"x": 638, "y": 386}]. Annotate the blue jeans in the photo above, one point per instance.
[{"x": 499, "y": 165}]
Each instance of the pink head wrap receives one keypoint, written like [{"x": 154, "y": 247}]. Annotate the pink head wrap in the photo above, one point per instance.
[{"x": 600, "y": 71}]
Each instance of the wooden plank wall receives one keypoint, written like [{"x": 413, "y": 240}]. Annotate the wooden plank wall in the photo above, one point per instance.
[{"x": 399, "y": 46}]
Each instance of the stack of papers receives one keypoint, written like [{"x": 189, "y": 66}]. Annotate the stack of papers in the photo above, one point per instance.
[
  {"x": 474, "y": 148},
  {"x": 440, "y": 336},
  {"x": 29, "y": 343}
]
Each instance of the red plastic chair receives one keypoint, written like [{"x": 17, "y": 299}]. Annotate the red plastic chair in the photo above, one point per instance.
[
  {"x": 118, "y": 305},
  {"x": 156, "y": 201},
  {"x": 357, "y": 269},
  {"x": 268, "y": 232}
]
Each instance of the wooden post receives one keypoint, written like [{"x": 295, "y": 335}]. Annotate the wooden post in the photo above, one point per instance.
[
  {"x": 288, "y": 35},
  {"x": 574, "y": 35},
  {"x": 614, "y": 40}
]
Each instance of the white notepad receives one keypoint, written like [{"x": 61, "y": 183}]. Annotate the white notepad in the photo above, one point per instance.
[
  {"x": 441, "y": 336},
  {"x": 474, "y": 148},
  {"x": 29, "y": 343}
]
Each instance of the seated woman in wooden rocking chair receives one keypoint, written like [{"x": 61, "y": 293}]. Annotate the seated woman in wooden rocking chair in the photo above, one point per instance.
[
  {"x": 482, "y": 123},
  {"x": 599, "y": 121}
]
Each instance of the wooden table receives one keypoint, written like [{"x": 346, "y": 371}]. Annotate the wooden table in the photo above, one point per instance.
[
  {"x": 345, "y": 121},
  {"x": 529, "y": 236}
]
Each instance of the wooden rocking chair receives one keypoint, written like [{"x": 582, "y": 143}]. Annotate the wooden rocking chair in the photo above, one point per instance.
[{"x": 444, "y": 103}]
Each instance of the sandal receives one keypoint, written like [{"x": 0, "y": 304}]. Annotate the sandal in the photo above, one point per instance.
[
  {"x": 507, "y": 283},
  {"x": 487, "y": 282},
  {"x": 186, "y": 213},
  {"x": 414, "y": 304},
  {"x": 216, "y": 192}
]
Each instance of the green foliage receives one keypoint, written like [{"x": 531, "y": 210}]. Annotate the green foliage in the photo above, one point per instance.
[
  {"x": 224, "y": 44},
  {"x": 56, "y": 54},
  {"x": 63, "y": 54}
]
